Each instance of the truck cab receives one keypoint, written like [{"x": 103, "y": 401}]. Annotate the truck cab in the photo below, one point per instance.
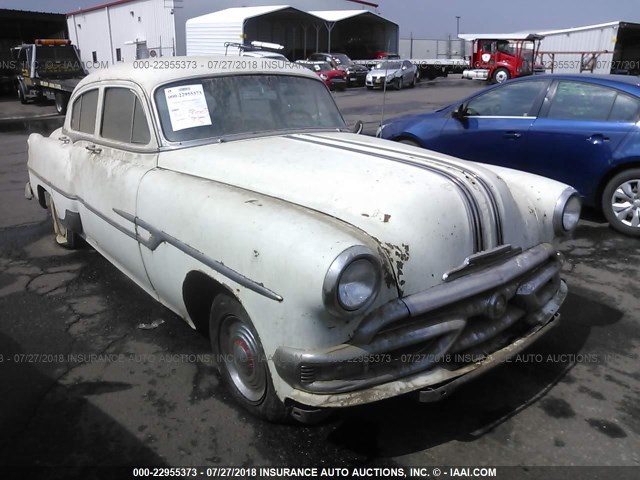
[
  {"x": 499, "y": 57},
  {"x": 48, "y": 69}
]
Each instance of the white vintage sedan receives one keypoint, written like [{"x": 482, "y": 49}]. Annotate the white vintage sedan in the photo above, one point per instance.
[{"x": 328, "y": 269}]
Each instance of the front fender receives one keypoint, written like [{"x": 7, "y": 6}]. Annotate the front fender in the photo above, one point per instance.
[{"x": 281, "y": 246}]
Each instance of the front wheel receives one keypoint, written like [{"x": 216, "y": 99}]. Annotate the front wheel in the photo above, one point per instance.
[
  {"x": 406, "y": 141},
  {"x": 399, "y": 84},
  {"x": 501, "y": 75},
  {"x": 621, "y": 202},
  {"x": 241, "y": 360}
]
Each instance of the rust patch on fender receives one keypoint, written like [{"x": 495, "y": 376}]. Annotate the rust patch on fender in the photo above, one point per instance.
[{"x": 399, "y": 255}]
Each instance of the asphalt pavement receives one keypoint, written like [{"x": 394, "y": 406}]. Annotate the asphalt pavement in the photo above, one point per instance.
[{"x": 95, "y": 372}]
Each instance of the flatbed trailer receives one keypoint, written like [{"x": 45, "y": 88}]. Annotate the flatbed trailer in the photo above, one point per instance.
[{"x": 48, "y": 69}]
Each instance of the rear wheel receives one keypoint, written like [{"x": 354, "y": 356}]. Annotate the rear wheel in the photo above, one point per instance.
[
  {"x": 501, "y": 75},
  {"x": 64, "y": 237},
  {"x": 61, "y": 100},
  {"x": 621, "y": 202},
  {"x": 21, "y": 96},
  {"x": 241, "y": 360}
]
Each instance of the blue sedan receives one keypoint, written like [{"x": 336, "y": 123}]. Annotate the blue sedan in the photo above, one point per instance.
[{"x": 583, "y": 130}]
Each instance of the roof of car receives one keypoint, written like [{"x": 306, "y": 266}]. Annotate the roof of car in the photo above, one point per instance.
[
  {"x": 150, "y": 73},
  {"x": 620, "y": 81}
]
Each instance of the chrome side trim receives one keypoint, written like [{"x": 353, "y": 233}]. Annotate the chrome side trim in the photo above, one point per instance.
[
  {"x": 76, "y": 198},
  {"x": 483, "y": 183},
  {"x": 159, "y": 237},
  {"x": 473, "y": 209}
]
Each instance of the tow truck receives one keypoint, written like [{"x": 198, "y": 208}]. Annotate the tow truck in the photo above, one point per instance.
[
  {"x": 48, "y": 68},
  {"x": 499, "y": 57}
]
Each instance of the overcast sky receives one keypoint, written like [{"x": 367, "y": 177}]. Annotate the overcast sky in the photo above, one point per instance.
[{"x": 436, "y": 18}]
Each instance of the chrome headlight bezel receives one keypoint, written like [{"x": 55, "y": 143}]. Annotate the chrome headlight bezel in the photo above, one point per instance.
[
  {"x": 567, "y": 197},
  {"x": 330, "y": 289}
]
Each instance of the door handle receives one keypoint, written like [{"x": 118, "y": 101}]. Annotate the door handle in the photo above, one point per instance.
[
  {"x": 93, "y": 149},
  {"x": 597, "y": 139},
  {"x": 513, "y": 135}
]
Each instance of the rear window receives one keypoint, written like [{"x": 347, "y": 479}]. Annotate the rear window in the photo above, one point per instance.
[
  {"x": 625, "y": 109},
  {"x": 83, "y": 112}
]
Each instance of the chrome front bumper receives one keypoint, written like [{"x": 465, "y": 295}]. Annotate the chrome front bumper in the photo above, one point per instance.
[{"x": 489, "y": 306}]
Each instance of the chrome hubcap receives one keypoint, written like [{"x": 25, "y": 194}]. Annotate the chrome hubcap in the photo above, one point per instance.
[
  {"x": 501, "y": 77},
  {"x": 625, "y": 203},
  {"x": 241, "y": 355}
]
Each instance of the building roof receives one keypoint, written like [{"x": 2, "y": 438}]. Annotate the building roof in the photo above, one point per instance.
[
  {"x": 118, "y": 2},
  {"x": 339, "y": 15},
  {"x": 237, "y": 14},
  {"x": 583, "y": 28},
  {"x": 99, "y": 7},
  {"x": 501, "y": 36}
]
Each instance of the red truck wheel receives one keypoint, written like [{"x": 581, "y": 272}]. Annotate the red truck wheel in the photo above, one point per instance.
[{"x": 501, "y": 75}]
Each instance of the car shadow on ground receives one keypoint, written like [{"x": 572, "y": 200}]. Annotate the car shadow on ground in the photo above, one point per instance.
[{"x": 46, "y": 424}]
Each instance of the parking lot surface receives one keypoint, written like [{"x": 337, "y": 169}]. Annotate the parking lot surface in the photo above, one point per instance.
[{"x": 95, "y": 372}]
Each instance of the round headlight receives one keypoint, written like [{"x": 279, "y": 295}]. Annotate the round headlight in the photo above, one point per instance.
[
  {"x": 352, "y": 281},
  {"x": 357, "y": 284},
  {"x": 567, "y": 212},
  {"x": 571, "y": 215}
]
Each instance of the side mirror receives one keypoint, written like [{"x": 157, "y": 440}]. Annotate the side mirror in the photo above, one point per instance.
[
  {"x": 404, "y": 67},
  {"x": 459, "y": 113},
  {"x": 358, "y": 127}
]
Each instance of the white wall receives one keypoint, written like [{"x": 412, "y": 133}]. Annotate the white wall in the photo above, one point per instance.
[
  {"x": 594, "y": 39},
  {"x": 110, "y": 28}
]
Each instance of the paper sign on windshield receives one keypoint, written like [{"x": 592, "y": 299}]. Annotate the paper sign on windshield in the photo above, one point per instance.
[{"x": 187, "y": 107}]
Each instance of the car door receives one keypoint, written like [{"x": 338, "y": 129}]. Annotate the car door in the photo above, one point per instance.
[
  {"x": 495, "y": 124},
  {"x": 407, "y": 72},
  {"x": 108, "y": 166},
  {"x": 576, "y": 137}
]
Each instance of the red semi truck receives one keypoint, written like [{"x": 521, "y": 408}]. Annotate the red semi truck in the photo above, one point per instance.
[{"x": 499, "y": 57}]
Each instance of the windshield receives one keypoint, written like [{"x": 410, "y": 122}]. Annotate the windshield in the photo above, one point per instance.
[
  {"x": 216, "y": 107},
  {"x": 388, "y": 66},
  {"x": 342, "y": 59}
]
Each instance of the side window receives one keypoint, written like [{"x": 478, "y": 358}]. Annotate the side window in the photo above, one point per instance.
[
  {"x": 625, "y": 109},
  {"x": 511, "y": 100},
  {"x": 123, "y": 117},
  {"x": 83, "y": 112},
  {"x": 582, "y": 101}
]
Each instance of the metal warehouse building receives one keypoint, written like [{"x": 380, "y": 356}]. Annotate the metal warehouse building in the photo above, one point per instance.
[
  {"x": 612, "y": 47},
  {"x": 128, "y": 29}
]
